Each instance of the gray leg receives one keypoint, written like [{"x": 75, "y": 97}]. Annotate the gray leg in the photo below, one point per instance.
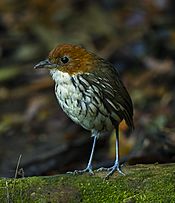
[
  {"x": 116, "y": 166},
  {"x": 89, "y": 165}
]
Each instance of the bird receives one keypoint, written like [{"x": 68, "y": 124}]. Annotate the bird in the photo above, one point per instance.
[{"x": 90, "y": 91}]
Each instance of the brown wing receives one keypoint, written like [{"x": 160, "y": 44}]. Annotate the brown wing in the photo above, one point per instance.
[{"x": 114, "y": 94}]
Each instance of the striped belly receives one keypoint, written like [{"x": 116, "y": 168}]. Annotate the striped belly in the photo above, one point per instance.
[{"x": 80, "y": 104}]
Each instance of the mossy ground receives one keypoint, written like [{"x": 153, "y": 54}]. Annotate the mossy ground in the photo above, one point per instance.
[{"x": 142, "y": 183}]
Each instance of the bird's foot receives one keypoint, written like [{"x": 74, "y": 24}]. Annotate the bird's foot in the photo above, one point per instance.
[
  {"x": 86, "y": 170},
  {"x": 111, "y": 170},
  {"x": 104, "y": 169}
]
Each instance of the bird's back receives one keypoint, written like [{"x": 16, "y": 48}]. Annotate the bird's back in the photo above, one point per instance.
[{"x": 114, "y": 95}]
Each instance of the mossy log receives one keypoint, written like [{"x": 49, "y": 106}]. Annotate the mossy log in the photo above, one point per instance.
[{"x": 142, "y": 183}]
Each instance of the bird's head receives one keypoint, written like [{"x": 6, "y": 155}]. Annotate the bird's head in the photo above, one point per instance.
[{"x": 69, "y": 58}]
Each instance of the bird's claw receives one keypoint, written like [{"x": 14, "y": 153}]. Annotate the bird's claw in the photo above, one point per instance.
[
  {"x": 86, "y": 170},
  {"x": 104, "y": 169},
  {"x": 111, "y": 170}
]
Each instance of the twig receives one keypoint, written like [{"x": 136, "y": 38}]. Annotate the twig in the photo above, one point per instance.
[
  {"x": 17, "y": 166},
  {"x": 16, "y": 174}
]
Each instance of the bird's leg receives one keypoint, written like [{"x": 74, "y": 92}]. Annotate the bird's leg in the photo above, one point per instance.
[
  {"x": 89, "y": 165},
  {"x": 116, "y": 166}
]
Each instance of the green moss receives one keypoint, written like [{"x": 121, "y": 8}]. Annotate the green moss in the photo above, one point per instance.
[{"x": 142, "y": 183}]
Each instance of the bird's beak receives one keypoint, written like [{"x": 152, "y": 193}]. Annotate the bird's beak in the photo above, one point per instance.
[{"x": 45, "y": 64}]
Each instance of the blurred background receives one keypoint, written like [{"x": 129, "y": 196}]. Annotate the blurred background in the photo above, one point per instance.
[{"x": 138, "y": 37}]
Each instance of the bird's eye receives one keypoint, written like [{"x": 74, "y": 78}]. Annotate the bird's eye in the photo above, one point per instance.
[{"x": 64, "y": 59}]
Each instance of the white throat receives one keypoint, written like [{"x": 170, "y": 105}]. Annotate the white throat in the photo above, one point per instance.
[{"x": 60, "y": 77}]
